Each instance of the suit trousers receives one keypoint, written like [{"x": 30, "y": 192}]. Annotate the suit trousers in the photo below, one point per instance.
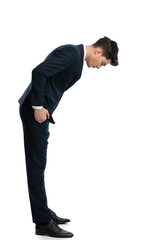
[{"x": 35, "y": 147}]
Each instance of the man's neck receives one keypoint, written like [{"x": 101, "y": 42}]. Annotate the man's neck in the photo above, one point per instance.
[{"x": 88, "y": 51}]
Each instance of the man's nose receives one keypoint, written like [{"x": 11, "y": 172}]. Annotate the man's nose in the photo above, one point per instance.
[{"x": 98, "y": 67}]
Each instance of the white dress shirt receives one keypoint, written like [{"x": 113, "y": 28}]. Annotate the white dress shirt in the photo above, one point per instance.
[
  {"x": 84, "y": 51},
  {"x": 40, "y": 107}
]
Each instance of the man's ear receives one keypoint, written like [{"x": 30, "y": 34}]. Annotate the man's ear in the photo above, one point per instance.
[{"x": 99, "y": 51}]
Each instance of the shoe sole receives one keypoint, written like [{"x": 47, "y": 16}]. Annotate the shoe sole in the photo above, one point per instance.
[
  {"x": 62, "y": 222},
  {"x": 46, "y": 234}
]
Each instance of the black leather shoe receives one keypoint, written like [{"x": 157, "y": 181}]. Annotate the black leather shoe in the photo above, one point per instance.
[
  {"x": 53, "y": 230},
  {"x": 58, "y": 219}
]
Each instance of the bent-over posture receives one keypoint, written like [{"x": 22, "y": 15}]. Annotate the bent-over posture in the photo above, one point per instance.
[{"x": 50, "y": 79}]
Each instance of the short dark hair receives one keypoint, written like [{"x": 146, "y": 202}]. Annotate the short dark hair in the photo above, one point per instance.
[{"x": 110, "y": 49}]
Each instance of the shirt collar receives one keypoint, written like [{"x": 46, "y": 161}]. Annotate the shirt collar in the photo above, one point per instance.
[{"x": 84, "y": 51}]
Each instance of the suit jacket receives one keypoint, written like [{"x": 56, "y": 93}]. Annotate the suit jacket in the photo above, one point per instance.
[{"x": 51, "y": 78}]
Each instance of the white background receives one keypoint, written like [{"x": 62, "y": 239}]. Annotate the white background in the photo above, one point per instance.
[{"x": 103, "y": 169}]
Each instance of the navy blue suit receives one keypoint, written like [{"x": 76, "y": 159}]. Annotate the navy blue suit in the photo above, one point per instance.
[{"x": 50, "y": 79}]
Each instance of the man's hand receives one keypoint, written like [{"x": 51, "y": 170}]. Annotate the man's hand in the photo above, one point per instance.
[{"x": 41, "y": 114}]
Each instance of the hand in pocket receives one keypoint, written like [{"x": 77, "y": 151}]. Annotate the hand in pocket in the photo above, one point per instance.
[{"x": 41, "y": 114}]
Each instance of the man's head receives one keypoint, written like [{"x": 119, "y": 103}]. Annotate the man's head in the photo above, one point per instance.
[{"x": 101, "y": 53}]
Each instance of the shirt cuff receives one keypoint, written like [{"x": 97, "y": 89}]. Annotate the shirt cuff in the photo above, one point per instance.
[{"x": 37, "y": 107}]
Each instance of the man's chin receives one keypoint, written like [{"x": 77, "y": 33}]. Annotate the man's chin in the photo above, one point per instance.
[{"x": 88, "y": 65}]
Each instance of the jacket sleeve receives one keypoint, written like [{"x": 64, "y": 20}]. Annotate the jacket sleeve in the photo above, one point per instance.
[{"x": 59, "y": 61}]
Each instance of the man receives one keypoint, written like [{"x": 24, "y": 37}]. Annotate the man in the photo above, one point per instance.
[{"x": 50, "y": 79}]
